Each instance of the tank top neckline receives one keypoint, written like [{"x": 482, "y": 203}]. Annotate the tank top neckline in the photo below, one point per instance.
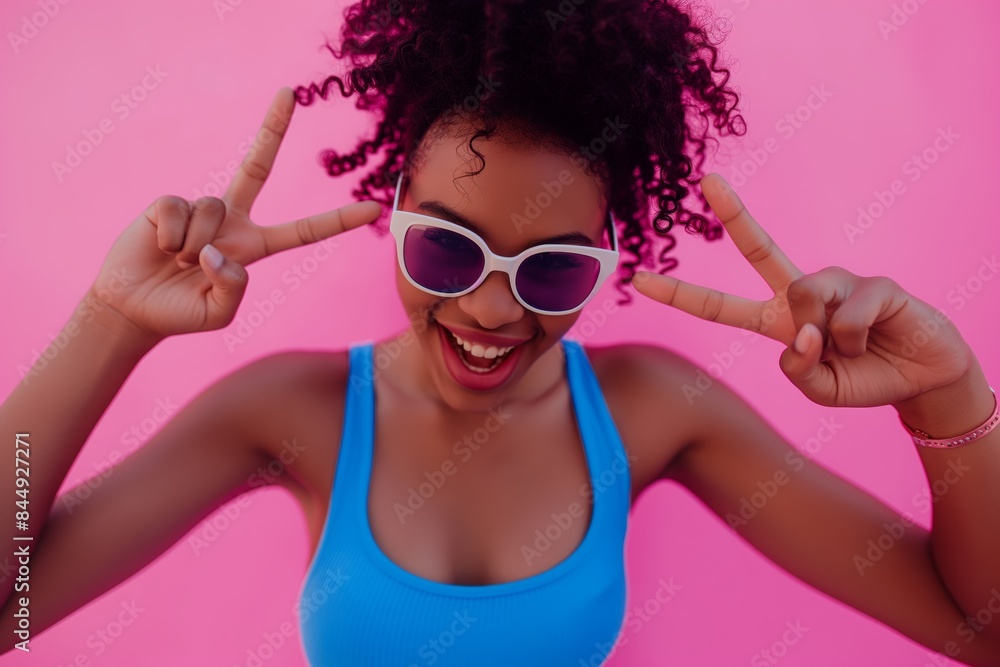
[{"x": 573, "y": 362}]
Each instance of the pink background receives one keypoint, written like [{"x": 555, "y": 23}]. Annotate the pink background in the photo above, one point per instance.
[{"x": 890, "y": 96}]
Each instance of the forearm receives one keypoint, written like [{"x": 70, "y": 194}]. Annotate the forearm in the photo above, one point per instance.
[
  {"x": 965, "y": 489},
  {"x": 51, "y": 412}
]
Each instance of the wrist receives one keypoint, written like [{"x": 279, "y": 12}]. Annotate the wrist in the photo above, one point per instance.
[
  {"x": 92, "y": 311},
  {"x": 953, "y": 409}
]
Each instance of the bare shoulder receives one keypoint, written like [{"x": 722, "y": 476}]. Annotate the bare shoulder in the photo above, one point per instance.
[
  {"x": 294, "y": 406},
  {"x": 298, "y": 369},
  {"x": 648, "y": 391}
]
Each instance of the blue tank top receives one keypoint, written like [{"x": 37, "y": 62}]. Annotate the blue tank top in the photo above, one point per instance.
[{"x": 358, "y": 608}]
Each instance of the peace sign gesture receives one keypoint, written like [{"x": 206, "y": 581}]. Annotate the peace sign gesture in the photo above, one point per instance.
[
  {"x": 180, "y": 266},
  {"x": 850, "y": 340}
]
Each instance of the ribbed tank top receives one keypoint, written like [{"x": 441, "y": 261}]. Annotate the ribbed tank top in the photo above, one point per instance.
[{"x": 358, "y": 608}]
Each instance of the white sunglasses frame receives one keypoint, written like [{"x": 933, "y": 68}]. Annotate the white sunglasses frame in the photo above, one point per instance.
[{"x": 401, "y": 221}]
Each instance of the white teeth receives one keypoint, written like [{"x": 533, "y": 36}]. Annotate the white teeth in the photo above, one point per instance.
[{"x": 482, "y": 351}]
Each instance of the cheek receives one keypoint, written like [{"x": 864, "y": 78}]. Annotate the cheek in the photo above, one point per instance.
[
  {"x": 556, "y": 326},
  {"x": 417, "y": 303}
]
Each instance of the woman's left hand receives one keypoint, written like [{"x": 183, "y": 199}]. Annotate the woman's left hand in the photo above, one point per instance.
[{"x": 851, "y": 341}]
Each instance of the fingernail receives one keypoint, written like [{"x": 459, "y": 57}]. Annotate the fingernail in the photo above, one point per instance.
[
  {"x": 800, "y": 344},
  {"x": 368, "y": 201},
  {"x": 728, "y": 192},
  {"x": 213, "y": 256},
  {"x": 184, "y": 265}
]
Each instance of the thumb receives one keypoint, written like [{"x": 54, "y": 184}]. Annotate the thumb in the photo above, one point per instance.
[
  {"x": 229, "y": 283},
  {"x": 801, "y": 365}
]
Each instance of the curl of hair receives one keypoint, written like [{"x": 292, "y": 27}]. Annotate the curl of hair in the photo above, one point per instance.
[{"x": 564, "y": 73}]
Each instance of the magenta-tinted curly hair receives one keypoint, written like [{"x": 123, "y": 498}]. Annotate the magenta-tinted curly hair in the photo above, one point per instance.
[{"x": 563, "y": 71}]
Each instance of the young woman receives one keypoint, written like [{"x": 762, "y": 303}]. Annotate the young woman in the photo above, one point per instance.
[{"x": 528, "y": 448}]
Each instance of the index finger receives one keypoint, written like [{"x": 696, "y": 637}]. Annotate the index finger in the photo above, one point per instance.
[
  {"x": 706, "y": 303},
  {"x": 753, "y": 242},
  {"x": 256, "y": 166},
  {"x": 315, "y": 228}
]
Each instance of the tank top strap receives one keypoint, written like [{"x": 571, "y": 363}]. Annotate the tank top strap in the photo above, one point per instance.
[
  {"x": 598, "y": 430},
  {"x": 356, "y": 436}
]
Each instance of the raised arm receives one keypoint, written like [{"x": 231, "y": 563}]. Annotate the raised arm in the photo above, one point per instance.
[
  {"x": 52, "y": 412},
  {"x": 853, "y": 341},
  {"x": 178, "y": 268},
  {"x": 201, "y": 459}
]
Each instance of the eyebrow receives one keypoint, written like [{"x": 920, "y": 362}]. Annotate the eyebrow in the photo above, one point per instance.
[{"x": 440, "y": 210}]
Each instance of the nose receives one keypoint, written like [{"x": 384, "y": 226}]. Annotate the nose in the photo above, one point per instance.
[{"x": 492, "y": 303}]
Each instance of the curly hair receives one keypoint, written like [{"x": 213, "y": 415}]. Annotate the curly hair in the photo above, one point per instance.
[{"x": 563, "y": 72}]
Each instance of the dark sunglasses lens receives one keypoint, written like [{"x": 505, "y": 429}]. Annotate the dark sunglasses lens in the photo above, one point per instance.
[
  {"x": 557, "y": 281},
  {"x": 441, "y": 260}
]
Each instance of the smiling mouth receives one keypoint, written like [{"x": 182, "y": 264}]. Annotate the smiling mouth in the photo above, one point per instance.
[{"x": 477, "y": 357}]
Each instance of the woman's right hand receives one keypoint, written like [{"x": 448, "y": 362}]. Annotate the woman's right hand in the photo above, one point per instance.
[{"x": 163, "y": 275}]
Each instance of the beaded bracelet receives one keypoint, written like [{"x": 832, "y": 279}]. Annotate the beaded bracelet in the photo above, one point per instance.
[{"x": 924, "y": 439}]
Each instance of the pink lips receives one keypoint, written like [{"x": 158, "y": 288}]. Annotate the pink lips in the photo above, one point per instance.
[
  {"x": 485, "y": 338},
  {"x": 471, "y": 379}
]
